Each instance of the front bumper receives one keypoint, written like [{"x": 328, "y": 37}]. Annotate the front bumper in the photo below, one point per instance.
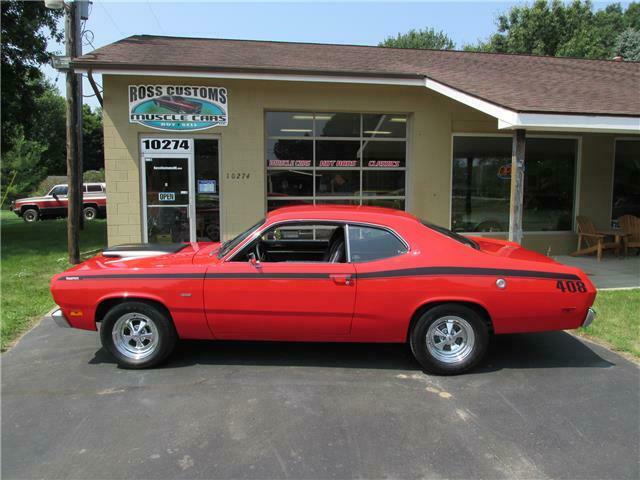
[
  {"x": 57, "y": 316},
  {"x": 589, "y": 317}
]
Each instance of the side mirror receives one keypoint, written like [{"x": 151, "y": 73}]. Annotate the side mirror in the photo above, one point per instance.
[
  {"x": 253, "y": 261},
  {"x": 55, "y": 195}
]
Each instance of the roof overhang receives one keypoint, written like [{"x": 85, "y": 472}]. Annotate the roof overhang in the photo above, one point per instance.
[
  {"x": 507, "y": 119},
  {"x": 510, "y": 119}
]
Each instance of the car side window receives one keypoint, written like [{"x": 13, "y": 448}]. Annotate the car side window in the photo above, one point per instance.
[
  {"x": 371, "y": 243},
  {"x": 298, "y": 242},
  {"x": 60, "y": 191},
  {"x": 94, "y": 188}
]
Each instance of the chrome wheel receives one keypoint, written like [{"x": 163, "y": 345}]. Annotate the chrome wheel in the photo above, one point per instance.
[
  {"x": 450, "y": 339},
  {"x": 135, "y": 336}
]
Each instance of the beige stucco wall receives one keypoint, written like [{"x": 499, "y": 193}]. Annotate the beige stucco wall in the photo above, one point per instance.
[{"x": 433, "y": 119}]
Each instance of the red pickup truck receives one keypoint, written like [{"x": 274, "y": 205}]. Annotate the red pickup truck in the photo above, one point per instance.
[{"x": 54, "y": 204}]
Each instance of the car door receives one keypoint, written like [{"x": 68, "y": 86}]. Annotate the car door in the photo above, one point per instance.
[
  {"x": 298, "y": 300},
  {"x": 59, "y": 202}
]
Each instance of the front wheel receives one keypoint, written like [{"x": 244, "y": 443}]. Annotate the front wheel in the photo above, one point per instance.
[
  {"x": 137, "y": 334},
  {"x": 449, "y": 339},
  {"x": 30, "y": 215}
]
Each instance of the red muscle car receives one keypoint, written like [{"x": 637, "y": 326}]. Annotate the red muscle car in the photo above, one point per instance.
[
  {"x": 178, "y": 104},
  {"x": 56, "y": 203},
  {"x": 326, "y": 273}
]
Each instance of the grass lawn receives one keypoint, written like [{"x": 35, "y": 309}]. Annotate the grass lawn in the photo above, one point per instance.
[
  {"x": 618, "y": 320},
  {"x": 31, "y": 254}
]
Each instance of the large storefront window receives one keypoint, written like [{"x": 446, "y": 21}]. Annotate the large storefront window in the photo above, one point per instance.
[
  {"x": 336, "y": 158},
  {"x": 626, "y": 179},
  {"x": 482, "y": 184}
]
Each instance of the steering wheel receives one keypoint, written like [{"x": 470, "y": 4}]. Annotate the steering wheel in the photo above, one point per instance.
[{"x": 259, "y": 254}]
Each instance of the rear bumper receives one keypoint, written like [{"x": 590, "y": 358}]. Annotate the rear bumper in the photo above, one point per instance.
[
  {"x": 57, "y": 316},
  {"x": 589, "y": 317}
]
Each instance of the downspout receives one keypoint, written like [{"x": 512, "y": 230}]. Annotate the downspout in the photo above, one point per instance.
[{"x": 94, "y": 86}]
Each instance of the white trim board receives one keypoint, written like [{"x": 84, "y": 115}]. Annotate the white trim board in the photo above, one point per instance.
[{"x": 507, "y": 119}]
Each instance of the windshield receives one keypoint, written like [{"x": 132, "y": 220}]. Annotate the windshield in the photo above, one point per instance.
[
  {"x": 233, "y": 243},
  {"x": 453, "y": 235}
]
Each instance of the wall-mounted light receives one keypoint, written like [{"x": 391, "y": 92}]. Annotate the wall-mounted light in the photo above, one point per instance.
[{"x": 398, "y": 119}]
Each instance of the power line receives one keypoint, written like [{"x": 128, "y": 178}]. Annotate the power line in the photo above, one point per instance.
[
  {"x": 111, "y": 18},
  {"x": 155, "y": 17}
]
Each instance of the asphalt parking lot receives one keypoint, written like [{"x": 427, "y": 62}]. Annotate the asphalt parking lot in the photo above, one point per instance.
[{"x": 542, "y": 406}]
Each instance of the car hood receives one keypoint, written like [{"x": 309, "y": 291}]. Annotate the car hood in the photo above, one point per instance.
[
  {"x": 139, "y": 257},
  {"x": 32, "y": 199}
]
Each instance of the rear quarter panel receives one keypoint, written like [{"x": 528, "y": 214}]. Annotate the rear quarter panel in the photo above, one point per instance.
[{"x": 385, "y": 304}]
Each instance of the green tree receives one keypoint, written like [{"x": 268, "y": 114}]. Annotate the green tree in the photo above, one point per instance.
[
  {"x": 628, "y": 45},
  {"x": 22, "y": 168},
  {"x": 49, "y": 128},
  {"x": 92, "y": 139},
  {"x": 427, "y": 39},
  {"x": 559, "y": 29},
  {"x": 25, "y": 29}
]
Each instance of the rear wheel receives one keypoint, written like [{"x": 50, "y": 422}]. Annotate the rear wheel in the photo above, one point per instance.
[
  {"x": 137, "y": 334},
  {"x": 30, "y": 215},
  {"x": 449, "y": 339},
  {"x": 89, "y": 213}
]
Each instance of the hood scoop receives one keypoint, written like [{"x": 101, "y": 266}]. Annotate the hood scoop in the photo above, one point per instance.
[{"x": 139, "y": 250}]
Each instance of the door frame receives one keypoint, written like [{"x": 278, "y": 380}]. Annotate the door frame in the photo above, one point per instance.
[
  {"x": 191, "y": 207},
  {"x": 192, "y": 173}
]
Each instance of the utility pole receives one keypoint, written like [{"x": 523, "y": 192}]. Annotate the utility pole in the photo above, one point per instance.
[
  {"x": 73, "y": 169},
  {"x": 75, "y": 11}
]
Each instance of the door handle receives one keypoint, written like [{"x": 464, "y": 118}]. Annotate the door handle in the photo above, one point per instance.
[{"x": 341, "y": 279}]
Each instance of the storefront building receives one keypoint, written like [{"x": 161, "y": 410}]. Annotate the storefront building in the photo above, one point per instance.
[{"x": 203, "y": 137}]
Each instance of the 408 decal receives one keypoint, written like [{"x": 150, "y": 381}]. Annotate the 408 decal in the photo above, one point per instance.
[{"x": 571, "y": 286}]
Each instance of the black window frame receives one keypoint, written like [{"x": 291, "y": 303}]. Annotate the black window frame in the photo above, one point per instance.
[{"x": 315, "y": 137}]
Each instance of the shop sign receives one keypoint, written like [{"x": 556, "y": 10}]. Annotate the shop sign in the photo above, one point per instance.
[
  {"x": 178, "y": 107},
  {"x": 167, "y": 196}
]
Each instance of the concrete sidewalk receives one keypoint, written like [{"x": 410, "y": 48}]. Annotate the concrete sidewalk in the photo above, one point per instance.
[{"x": 610, "y": 272}]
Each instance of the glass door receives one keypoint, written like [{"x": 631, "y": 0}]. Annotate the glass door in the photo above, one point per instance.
[{"x": 168, "y": 198}]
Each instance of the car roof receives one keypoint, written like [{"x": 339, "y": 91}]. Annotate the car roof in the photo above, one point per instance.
[{"x": 338, "y": 212}]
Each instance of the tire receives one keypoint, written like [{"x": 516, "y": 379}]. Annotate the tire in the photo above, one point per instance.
[
  {"x": 30, "y": 215},
  {"x": 89, "y": 213},
  {"x": 463, "y": 347},
  {"x": 148, "y": 346}
]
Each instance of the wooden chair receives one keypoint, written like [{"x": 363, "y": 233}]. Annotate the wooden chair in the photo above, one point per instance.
[
  {"x": 594, "y": 241},
  {"x": 631, "y": 227}
]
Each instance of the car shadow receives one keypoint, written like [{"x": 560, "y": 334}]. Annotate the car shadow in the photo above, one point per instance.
[{"x": 537, "y": 350}]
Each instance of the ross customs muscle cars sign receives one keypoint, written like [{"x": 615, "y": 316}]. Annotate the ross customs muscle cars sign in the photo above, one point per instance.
[{"x": 178, "y": 107}]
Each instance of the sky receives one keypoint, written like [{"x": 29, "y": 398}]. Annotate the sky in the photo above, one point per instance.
[{"x": 359, "y": 22}]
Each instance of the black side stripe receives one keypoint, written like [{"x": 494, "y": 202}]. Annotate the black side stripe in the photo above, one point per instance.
[
  {"x": 269, "y": 276},
  {"x": 441, "y": 271},
  {"x": 407, "y": 272}
]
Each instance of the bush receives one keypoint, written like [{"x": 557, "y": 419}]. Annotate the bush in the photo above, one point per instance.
[{"x": 93, "y": 176}]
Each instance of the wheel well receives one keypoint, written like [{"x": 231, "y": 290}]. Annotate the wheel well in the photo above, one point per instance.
[
  {"x": 29, "y": 207},
  {"x": 94, "y": 205},
  {"x": 108, "y": 304},
  {"x": 479, "y": 309}
]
